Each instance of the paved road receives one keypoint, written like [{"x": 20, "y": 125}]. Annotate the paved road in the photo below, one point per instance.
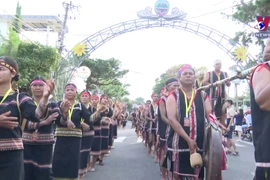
[{"x": 129, "y": 161}]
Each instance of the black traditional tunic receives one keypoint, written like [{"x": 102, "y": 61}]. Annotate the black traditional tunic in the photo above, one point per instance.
[
  {"x": 11, "y": 144},
  {"x": 38, "y": 147},
  {"x": 261, "y": 134},
  {"x": 96, "y": 145},
  {"x": 105, "y": 132},
  {"x": 162, "y": 126},
  {"x": 178, "y": 154},
  {"x": 217, "y": 94},
  {"x": 68, "y": 144},
  {"x": 152, "y": 126},
  {"x": 87, "y": 140}
]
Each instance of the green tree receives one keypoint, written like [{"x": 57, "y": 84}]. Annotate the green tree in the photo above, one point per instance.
[
  {"x": 139, "y": 100},
  {"x": 17, "y": 20},
  {"x": 129, "y": 103},
  {"x": 106, "y": 75},
  {"x": 10, "y": 45},
  {"x": 246, "y": 13},
  {"x": 172, "y": 73},
  {"x": 35, "y": 59},
  {"x": 116, "y": 91}
]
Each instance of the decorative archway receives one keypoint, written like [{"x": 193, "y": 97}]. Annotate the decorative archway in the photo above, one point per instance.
[{"x": 148, "y": 20}]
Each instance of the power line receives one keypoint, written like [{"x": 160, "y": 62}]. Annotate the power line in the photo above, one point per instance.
[
  {"x": 21, "y": 21},
  {"x": 68, "y": 7},
  {"x": 205, "y": 14}
]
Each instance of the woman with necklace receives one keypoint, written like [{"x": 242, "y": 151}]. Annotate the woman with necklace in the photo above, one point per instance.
[
  {"x": 105, "y": 127},
  {"x": 69, "y": 134},
  {"x": 98, "y": 119},
  {"x": 87, "y": 135},
  {"x": 15, "y": 107},
  {"x": 39, "y": 137}
]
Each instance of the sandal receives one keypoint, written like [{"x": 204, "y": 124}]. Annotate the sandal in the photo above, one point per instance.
[
  {"x": 101, "y": 163},
  {"x": 92, "y": 170}
]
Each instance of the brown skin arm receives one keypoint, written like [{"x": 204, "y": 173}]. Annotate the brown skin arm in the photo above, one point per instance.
[
  {"x": 266, "y": 53},
  {"x": 163, "y": 112},
  {"x": 208, "y": 107},
  {"x": 261, "y": 87},
  {"x": 172, "y": 116},
  {"x": 206, "y": 79},
  {"x": 146, "y": 116}
]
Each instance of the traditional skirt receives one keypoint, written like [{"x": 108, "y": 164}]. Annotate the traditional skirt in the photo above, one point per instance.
[
  {"x": 11, "y": 165},
  {"x": 111, "y": 136},
  {"x": 38, "y": 162},
  {"x": 115, "y": 130},
  {"x": 262, "y": 173},
  {"x": 105, "y": 131},
  {"x": 87, "y": 141},
  {"x": 96, "y": 145},
  {"x": 66, "y": 158},
  {"x": 179, "y": 164}
]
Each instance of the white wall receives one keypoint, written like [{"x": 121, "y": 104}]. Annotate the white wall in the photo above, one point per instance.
[{"x": 41, "y": 37}]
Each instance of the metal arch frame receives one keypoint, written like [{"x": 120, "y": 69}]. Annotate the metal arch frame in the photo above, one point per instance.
[{"x": 96, "y": 40}]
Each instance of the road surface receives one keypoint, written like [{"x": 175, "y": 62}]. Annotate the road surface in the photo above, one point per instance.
[{"x": 129, "y": 161}]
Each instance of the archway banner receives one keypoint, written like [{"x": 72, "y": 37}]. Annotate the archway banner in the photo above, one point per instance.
[{"x": 162, "y": 18}]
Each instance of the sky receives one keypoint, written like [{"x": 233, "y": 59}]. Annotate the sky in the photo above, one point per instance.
[{"x": 146, "y": 53}]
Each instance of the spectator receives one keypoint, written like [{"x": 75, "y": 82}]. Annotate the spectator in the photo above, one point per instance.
[{"x": 238, "y": 123}]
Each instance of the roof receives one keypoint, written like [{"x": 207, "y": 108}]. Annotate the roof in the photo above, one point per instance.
[{"x": 37, "y": 22}]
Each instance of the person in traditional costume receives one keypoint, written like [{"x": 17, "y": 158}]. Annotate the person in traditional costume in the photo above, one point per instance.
[
  {"x": 87, "y": 135},
  {"x": 146, "y": 124},
  {"x": 66, "y": 158},
  {"x": 141, "y": 122},
  {"x": 96, "y": 145},
  {"x": 116, "y": 109},
  {"x": 217, "y": 94},
  {"x": 163, "y": 122},
  {"x": 111, "y": 139},
  {"x": 199, "y": 80},
  {"x": 39, "y": 137},
  {"x": 105, "y": 127},
  {"x": 187, "y": 110},
  {"x": 260, "y": 108},
  {"x": 14, "y": 109},
  {"x": 151, "y": 119}
]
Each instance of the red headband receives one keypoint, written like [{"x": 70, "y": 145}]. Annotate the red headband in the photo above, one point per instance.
[
  {"x": 85, "y": 93},
  {"x": 173, "y": 83},
  {"x": 37, "y": 82},
  {"x": 184, "y": 67},
  {"x": 71, "y": 87},
  {"x": 3, "y": 63},
  {"x": 94, "y": 97}
]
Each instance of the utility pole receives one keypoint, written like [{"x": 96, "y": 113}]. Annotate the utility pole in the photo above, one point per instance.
[{"x": 68, "y": 7}]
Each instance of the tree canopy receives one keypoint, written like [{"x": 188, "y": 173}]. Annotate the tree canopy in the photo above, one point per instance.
[
  {"x": 246, "y": 14},
  {"x": 106, "y": 74},
  {"x": 171, "y": 73},
  {"x": 33, "y": 58},
  {"x": 139, "y": 100}
]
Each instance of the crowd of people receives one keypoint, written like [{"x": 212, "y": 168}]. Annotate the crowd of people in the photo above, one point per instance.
[
  {"x": 179, "y": 126},
  {"x": 174, "y": 124},
  {"x": 32, "y": 149}
]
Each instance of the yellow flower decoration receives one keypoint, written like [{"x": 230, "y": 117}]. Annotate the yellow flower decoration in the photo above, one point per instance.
[
  {"x": 79, "y": 49},
  {"x": 240, "y": 53}
]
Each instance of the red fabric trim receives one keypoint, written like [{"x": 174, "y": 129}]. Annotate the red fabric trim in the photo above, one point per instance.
[
  {"x": 257, "y": 69},
  {"x": 172, "y": 93},
  {"x": 193, "y": 121}
]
